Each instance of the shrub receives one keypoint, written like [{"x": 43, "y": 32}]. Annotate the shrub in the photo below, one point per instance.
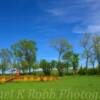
[
  {"x": 61, "y": 68},
  {"x": 98, "y": 71},
  {"x": 90, "y": 71},
  {"x": 46, "y": 67},
  {"x": 82, "y": 71}
]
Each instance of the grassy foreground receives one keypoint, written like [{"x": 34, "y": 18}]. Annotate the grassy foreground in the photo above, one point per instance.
[{"x": 66, "y": 88}]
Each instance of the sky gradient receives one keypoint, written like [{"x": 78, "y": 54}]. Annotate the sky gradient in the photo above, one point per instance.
[{"x": 44, "y": 20}]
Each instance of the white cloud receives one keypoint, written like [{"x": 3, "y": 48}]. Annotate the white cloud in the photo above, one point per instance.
[
  {"x": 57, "y": 12},
  {"x": 79, "y": 29},
  {"x": 84, "y": 13},
  {"x": 93, "y": 29}
]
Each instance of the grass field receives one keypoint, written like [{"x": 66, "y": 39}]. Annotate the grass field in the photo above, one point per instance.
[{"x": 66, "y": 88}]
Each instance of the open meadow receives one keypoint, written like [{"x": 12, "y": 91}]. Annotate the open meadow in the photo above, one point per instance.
[{"x": 66, "y": 88}]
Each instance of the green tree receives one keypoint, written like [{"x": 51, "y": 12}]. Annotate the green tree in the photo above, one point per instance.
[
  {"x": 25, "y": 53},
  {"x": 61, "y": 68},
  {"x": 96, "y": 46},
  {"x": 5, "y": 58},
  {"x": 35, "y": 67},
  {"x": 67, "y": 60},
  {"x": 46, "y": 67},
  {"x": 53, "y": 63},
  {"x": 71, "y": 59},
  {"x": 75, "y": 62},
  {"x": 61, "y": 45},
  {"x": 86, "y": 43},
  {"x": 93, "y": 59}
]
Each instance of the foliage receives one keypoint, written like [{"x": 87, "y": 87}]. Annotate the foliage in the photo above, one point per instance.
[
  {"x": 61, "y": 45},
  {"x": 46, "y": 67},
  {"x": 96, "y": 47},
  {"x": 92, "y": 58},
  {"x": 86, "y": 43},
  {"x": 71, "y": 59},
  {"x": 89, "y": 71},
  {"x": 5, "y": 57},
  {"x": 67, "y": 60},
  {"x": 34, "y": 67},
  {"x": 61, "y": 68},
  {"x": 82, "y": 71},
  {"x": 23, "y": 57},
  {"x": 25, "y": 53},
  {"x": 75, "y": 62},
  {"x": 53, "y": 64}
]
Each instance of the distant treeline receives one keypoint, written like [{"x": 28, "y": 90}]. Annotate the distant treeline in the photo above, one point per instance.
[{"x": 22, "y": 56}]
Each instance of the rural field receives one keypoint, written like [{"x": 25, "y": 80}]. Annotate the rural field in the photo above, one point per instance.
[
  {"x": 66, "y": 88},
  {"x": 49, "y": 49}
]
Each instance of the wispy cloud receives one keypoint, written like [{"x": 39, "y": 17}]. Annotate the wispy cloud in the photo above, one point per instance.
[
  {"x": 85, "y": 14},
  {"x": 57, "y": 12},
  {"x": 93, "y": 29}
]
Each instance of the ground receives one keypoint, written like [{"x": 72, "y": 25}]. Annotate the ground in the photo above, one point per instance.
[{"x": 66, "y": 88}]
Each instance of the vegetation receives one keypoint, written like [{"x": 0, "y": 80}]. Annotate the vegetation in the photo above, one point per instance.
[
  {"x": 22, "y": 56},
  {"x": 46, "y": 67},
  {"x": 86, "y": 44},
  {"x": 71, "y": 59},
  {"x": 96, "y": 47},
  {"x": 61, "y": 45},
  {"x": 67, "y": 88},
  {"x": 25, "y": 53},
  {"x": 5, "y": 57}
]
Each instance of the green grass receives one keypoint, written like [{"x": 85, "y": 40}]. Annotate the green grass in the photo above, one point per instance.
[{"x": 66, "y": 88}]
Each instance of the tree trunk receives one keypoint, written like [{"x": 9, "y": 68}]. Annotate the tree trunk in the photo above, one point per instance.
[
  {"x": 87, "y": 60},
  {"x": 99, "y": 65},
  {"x": 98, "y": 59},
  {"x": 93, "y": 65},
  {"x": 59, "y": 57},
  {"x": 23, "y": 71},
  {"x": 67, "y": 69},
  {"x": 74, "y": 69},
  {"x": 29, "y": 70},
  {"x": 2, "y": 72}
]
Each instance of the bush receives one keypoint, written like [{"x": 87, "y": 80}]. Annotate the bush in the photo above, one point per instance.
[
  {"x": 98, "y": 71},
  {"x": 61, "y": 68},
  {"x": 82, "y": 71},
  {"x": 46, "y": 67},
  {"x": 90, "y": 71}
]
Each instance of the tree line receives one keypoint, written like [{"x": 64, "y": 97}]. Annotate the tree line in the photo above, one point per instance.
[{"x": 22, "y": 56}]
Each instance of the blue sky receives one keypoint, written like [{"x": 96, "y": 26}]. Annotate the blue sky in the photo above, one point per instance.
[{"x": 44, "y": 20}]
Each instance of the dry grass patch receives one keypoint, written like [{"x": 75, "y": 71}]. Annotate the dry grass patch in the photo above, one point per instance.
[{"x": 27, "y": 78}]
